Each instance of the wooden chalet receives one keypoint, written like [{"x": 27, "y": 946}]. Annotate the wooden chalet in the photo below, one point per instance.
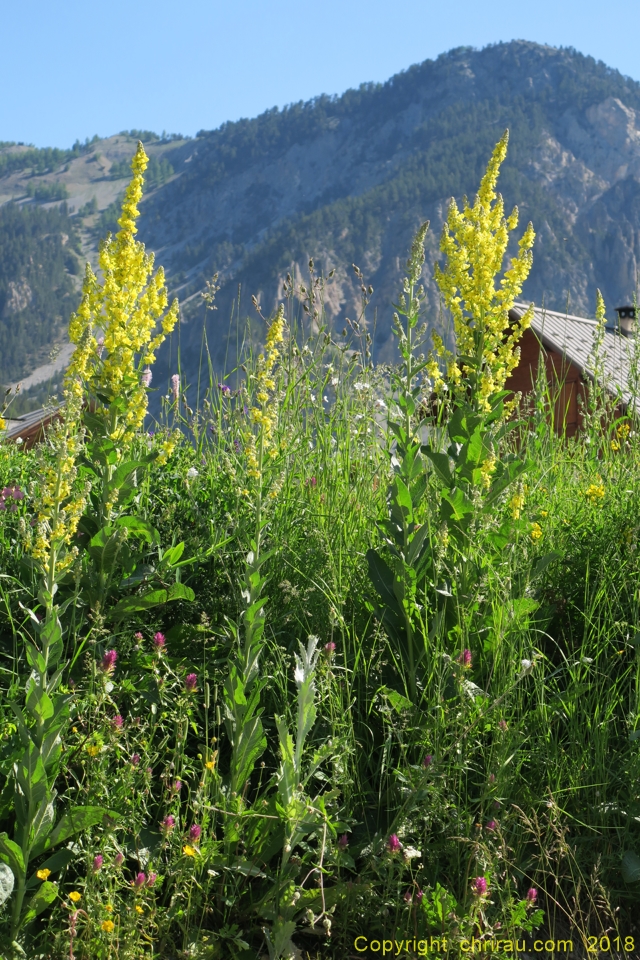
[
  {"x": 29, "y": 428},
  {"x": 564, "y": 345}
]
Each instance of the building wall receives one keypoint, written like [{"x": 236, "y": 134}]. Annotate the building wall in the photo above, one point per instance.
[{"x": 564, "y": 382}]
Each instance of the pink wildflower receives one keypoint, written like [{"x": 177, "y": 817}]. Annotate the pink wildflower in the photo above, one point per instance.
[
  {"x": 428, "y": 760},
  {"x": 97, "y": 862},
  {"x": 329, "y": 648},
  {"x": 465, "y": 659},
  {"x": 175, "y": 386},
  {"x": 159, "y": 642},
  {"x": 118, "y": 859},
  {"x": 532, "y": 896},
  {"x": 139, "y": 881},
  {"x": 491, "y": 825},
  {"x": 479, "y": 886},
  {"x": 393, "y": 844},
  {"x": 343, "y": 842},
  {"x": 108, "y": 663},
  {"x": 152, "y": 879},
  {"x": 135, "y": 759},
  {"x": 194, "y": 832},
  {"x": 168, "y": 824},
  {"x": 191, "y": 682},
  {"x": 117, "y": 723},
  {"x": 146, "y": 377}
]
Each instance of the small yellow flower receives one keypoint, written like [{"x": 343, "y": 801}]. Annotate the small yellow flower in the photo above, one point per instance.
[
  {"x": 43, "y": 874},
  {"x": 615, "y": 445},
  {"x": 210, "y": 764},
  {"x": 544, "y": 513},
  {"x": 139, "y": 908},
  {"x": 108, "y": 926},
  {"x": 74, "y": 729},
  {"x": 3, "y": 423},
  {"x": 93, "y": 749},
  {"x": 536, "y": 531},
  {"x": 75, "y": 896},
  {"x": 188, "y": 850},
  {"x": 516, "y": 504},
  {"x": 595, "y": 492},
  {"x": 623, "y": 431},
  {"x": 108, "y": 908}
]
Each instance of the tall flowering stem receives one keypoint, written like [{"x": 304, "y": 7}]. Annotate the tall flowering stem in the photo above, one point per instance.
[
  {"x": 128, "y": 311},
  {"x": 474, "y": 241},
  {"x": 243, "y": 685}
]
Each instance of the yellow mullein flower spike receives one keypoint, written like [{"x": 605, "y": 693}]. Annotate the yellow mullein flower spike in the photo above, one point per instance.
[
  {"x": 126, "y": 308},
  {"x": 474, "y": 241}
]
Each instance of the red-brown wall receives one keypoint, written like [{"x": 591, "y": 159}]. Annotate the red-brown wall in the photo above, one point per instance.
[{"x": 563, "y": 377}]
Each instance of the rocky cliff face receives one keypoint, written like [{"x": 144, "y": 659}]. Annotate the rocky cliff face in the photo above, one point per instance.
[{"x": 348, "y": 180}]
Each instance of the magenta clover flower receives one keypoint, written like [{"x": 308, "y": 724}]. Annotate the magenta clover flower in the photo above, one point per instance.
[
  {"x": 117, "y": 722},
  {"x": 118, "y": 859},
  {"x": 329, "y": 648},
  {"x": 393, "y": 844},
  {"x": 191, "y": 682},
  {"x": 419, "y": 895},
  {"x": 159, "y": 642},
  {"x": 343, "y": 842},
  {"x": 491, "y": 825},
  {"x": 532, "y": 896},
  {"x": 152, "y": 879},
  {"x": 168, "y": 824},
  {"x": 465, "y": 659},
  {"x": 479, "y": 886},
  {"x": 135, "y": 759},
  {"x": 194, "y": 832},
  {"x": 108, "y": 663},
  {"x": 139, "y": 881},
  {"x": 428, "y": 760},
  {"x": 97, "y": 862}
]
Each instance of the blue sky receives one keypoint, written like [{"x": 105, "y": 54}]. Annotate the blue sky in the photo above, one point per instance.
[{"x": 72, "y": 69}]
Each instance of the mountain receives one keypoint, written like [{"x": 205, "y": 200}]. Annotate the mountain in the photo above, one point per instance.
[{"x": 348, "y": 179}]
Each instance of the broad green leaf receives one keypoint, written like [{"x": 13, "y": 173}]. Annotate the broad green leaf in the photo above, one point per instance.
[
  {"x": 7, "y": 881},
  {"x": 71, "y": 824},
  {"x": 57, "y": 861},
  {"x": 42, "y": 898},
  {"x": 397, "y": 701},
  {"x": 140, "y": 528},
  {"x": 442, "y": 466},
  {"x": 543, "y": 562},
  {"x": 11, "y": 853},
  {"x": 129, "y": 605}
]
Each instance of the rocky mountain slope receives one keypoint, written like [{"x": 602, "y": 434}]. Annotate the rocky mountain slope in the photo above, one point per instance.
[{"x": 347, "y": 180}]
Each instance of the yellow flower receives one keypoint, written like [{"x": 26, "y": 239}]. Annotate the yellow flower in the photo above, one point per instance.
[
  {"x": 3, "y": 423},
  {"x": 475, "y": 242},
  {"x": 210, "y": 764},
  {"x": 623, "y": 430},
  {"x": 536, "y": 531},
  {"x": 128, "y": 309},
  {"x": 75, "y": 896},
  {"x": 93, "y": 749},
  {"x": 516, "y": 504},
  {"x": 487, "y": 468},
  {"x": 108, "y": 908},
  {"x": 108, "y": 926},
  {"x": 265, "y": 417},
  {"x": 188, "y": 850},
  {"x": 43, "y": 874},
  {"x": 544, "y": 513},
  {"x": 139, "y": 908},
  {"x": 595, "y": 492},
  {"x": 615, "y": 445}
]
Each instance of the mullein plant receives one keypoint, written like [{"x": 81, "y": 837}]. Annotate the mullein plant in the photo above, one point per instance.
[
  {"x": 43, "y": 717},
  {"x": 105, "y": 397},
  {"x": 410, "y": 572}
]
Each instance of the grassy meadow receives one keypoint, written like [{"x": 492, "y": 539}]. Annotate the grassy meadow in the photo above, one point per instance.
[{"x": 338, "y": 656}]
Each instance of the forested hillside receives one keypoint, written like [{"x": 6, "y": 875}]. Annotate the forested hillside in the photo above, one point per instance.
[
  {"x": 347, "y": 179},
  {"x": 38, "y": 254}
]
